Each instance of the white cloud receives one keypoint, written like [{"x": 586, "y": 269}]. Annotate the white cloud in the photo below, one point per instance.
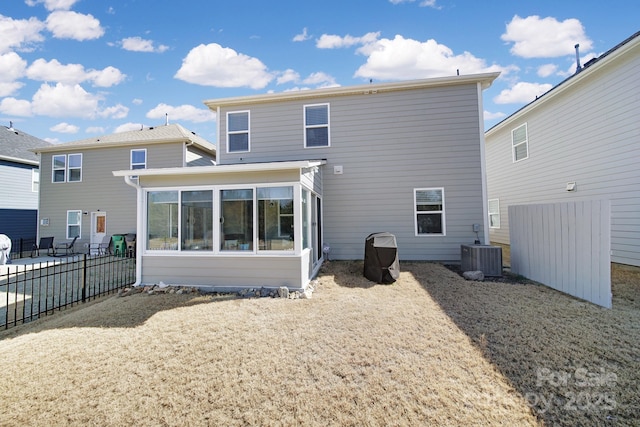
[
  {"x": 288, "y": 76},
  {"x": 535, "y": 37},
  {"x": 137, "y": 101},
  {"x": 9, "y": 88},
  {"x": 402, "y": 58},
  {"x": 491, "y": 116},
  {"x": 12, "y": 67},
  {"x": 182, "y": 112},
  {"x": 107, "y": 77},
  {"x": 214, "y": 65},
  {"x": 70, "y": 74},
  {"x": 423, "y": 3},
  {"x": 20, "y": 34},
  {"x": 547, "y": 70},
  {"x": 320, "y": 79},
  {"x": 95, "y": 129},
  {"x": 53, "y": 4},
  {"x": 64, "y": 101},
  {"x": 73, "y": 25},
  {"x": 332, "y": 41},
  {"x": 116, "y": 112},
  {"x": 521, "y": 93},
  {"x": 16, "y": 107},
  {"x": 126, "y": 127},
  {"x": 64, "y": 128},
  {"x": 138, "y": 44},
  {"x": 302, "y": 37}
]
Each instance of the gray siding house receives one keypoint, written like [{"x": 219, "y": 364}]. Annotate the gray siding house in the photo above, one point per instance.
[
  {"x": 79, "y": 196},
  {"x": 308, "y": 174},
  {"x": 579, "y": 141},
  {"x": 19, "y": 184}
]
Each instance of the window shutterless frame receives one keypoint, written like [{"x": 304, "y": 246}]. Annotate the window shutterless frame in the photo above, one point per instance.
[
  {"x": 520, "y": 143},
  {"x": 238, "y": 131},
  {"x": 316, "y": 126},
  {"x": 494, "y": 213},
  {"x": 429, "y": 212},
  {"x": 59, "y": 168}
]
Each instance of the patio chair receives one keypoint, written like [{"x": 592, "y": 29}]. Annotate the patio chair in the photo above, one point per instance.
[
  {"x": 67, "y": 247},
  {"x": 45, "y": 243},
  {"x": 101, "y": 248}
]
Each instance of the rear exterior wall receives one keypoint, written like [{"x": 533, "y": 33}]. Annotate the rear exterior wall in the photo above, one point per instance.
[{"x": 387, "y": 144}]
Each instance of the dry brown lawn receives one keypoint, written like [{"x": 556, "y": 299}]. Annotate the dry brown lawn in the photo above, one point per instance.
[{"x": 430, "y": 349}]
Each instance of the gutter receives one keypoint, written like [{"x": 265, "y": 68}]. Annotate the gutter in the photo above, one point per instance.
[{"x": 129, "y": 181}]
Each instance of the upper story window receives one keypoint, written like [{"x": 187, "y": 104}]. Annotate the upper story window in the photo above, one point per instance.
[
  {"x": 316, "y": 125},
  {"x": 139, "y": 159},
  {"x": 67, "y": 168},
  {"x": 429, "y": 211},
  {"x": 494, "y": 213},
  {"x": 520, "y": 143},
  {"x": 237, "y": 131}
]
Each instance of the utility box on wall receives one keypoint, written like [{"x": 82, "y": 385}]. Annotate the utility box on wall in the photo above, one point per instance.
[{"x": 485, "y": 258}]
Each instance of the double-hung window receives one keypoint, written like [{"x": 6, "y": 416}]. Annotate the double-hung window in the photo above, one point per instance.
[
  {"x": 494, "y": 213},
  {"x": 35, "y": 180},
  {"x": 316, "y": 126},
  {"x": 67, "y": 168},
  {"x": 520, "y": 143},
  {"x": 74, "y": 224},
  {"x": 139, "y": 158},
  {"x": 429, "y": 211},
  {"x": 238, "y": 131}
]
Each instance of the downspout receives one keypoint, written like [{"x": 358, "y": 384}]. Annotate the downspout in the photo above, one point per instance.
[
  {"x": 128, "y": 181},
  {"x": 483, "y": 168}
]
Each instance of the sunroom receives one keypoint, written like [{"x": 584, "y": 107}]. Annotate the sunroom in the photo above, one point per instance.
[{"x": 229, "y": 227}]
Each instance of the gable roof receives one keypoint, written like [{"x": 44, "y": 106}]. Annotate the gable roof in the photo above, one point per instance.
[
  {"x": 587, "y": 69},
  {"x": 485, "y": 79},
  {"x": 152, "y": 135},
  {"x": 17, "y": 146}
]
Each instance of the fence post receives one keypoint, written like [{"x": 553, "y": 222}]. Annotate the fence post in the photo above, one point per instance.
[{"x": 84, "y": 278}]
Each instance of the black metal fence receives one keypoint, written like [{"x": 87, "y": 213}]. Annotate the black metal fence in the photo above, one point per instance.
[
  {"x": 22, "y": 247},
  {"x": 28, "y": 292}
]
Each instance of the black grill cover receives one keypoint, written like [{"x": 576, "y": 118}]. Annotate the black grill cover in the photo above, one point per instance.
[{"x": 381, "y": 263}]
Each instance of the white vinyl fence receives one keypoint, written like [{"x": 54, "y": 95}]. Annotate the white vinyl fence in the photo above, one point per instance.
[{"x": 566, "y": 246}]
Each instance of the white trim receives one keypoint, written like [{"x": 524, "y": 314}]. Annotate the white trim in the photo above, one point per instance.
[
  {"x": 525, "y": 142},
  {"x": 131, "y": 164},
  {"x": 79, "y": 224},
  {"x": 416, "y": 212},
  {"x": 485, "y": 79},
  {"x": 494, "y": 213},
  {"x": 221, "y": 169},
  {"x": 247, "y": 131},
  {"x": 483, "y": 169},
  {"x": 328, "y": 125}
]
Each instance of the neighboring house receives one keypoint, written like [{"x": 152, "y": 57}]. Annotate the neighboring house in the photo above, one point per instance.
[
  {"x": 19, "y": 182},
  {"x": 579, "y": 141},
  {"x": 304, "y": 173},
  {"x": 80, "y": 196}
]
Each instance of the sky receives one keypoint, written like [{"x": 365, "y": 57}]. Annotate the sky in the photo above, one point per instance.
[{"x": 75, "y": 69}]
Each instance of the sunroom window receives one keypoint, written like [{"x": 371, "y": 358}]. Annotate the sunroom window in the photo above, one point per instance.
[
  {"x": 236, "y": 220},
  {"x": 197, "y": 220},
  {"x": 429, "y": 211},
  {"x": 162, "y": 220},
  {"x": 275, "y": 218}
]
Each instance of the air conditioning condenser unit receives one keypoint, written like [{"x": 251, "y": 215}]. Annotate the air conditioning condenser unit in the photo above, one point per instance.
[{"x": 485, "y": 258}]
